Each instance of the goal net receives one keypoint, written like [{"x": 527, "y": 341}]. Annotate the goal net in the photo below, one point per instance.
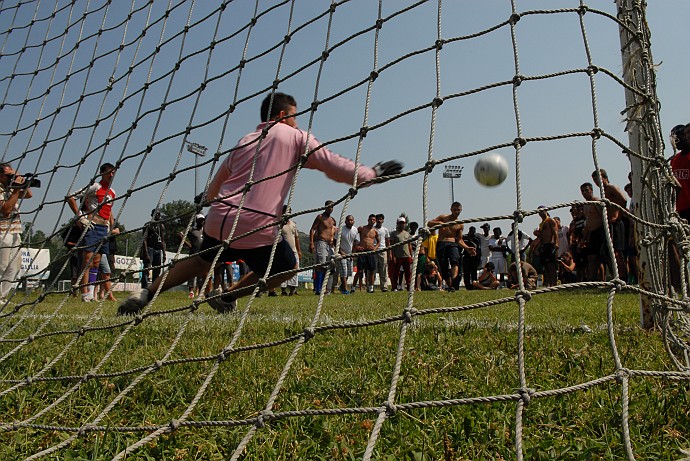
[{"x": 163, "y": 90}]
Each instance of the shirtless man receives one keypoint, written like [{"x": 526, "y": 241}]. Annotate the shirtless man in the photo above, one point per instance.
[
  {"x": 368, "y": 240},
  {"x": 321, "y": 244},
  {"x": 449, "y": 244},
  {"x": 618, "y": 222},
  {"x": 593, "y": 235},
  {"x": 548, "y": 247}
]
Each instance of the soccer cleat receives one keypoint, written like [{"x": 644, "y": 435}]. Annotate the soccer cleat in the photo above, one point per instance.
[
  {"x": 222, "y": 304},
  {"x": 134, "y": 303}
]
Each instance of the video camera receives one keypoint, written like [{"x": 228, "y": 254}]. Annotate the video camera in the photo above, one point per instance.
[{"x": 29, "y": 180}]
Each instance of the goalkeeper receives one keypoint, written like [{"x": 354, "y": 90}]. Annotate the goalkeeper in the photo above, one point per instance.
[{"x": 278, "y": 145}]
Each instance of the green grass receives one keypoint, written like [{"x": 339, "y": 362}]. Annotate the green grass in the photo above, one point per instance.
[{"x": 447, "y": 355}]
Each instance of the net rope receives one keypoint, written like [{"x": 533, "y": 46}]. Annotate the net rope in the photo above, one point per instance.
[{"x": 75, "y": 42}]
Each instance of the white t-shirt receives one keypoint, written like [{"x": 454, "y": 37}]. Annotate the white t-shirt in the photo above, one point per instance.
[
  {"x": 347, "y": 239},
  {"x": 563, "y": 244},
  {"x": 384, "y": 235},
  {"x": 484, "y": 242}
]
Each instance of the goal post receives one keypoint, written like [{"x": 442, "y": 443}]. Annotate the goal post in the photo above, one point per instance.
[{"x": 646, "y": 146}]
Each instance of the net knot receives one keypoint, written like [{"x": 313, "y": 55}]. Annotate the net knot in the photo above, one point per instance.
[
  {"x": 618, "y": 284},
  {"x": 518, "y": 215},
  {"x": 622, "y": 373},
  {"x": 222, "y": 356},
  {"x": 437, "y": 102},
  {"x": 30, "y": 338},
  {"x": 391, "y": 409},
  {"x": 174, "y": 424},
  {"x": 523, "y": 294},
  {"x": 324, "y": 55},
  {"x": 582, "y": 10},
  {"x": 408, "y": 314},
  {"x": 247, "y": 186},
  {"x": 424, "y": 232},
  {"x": 525, "y": 395},
  {"x": 591, "y": 70},
  {"x": 262, "y": 284},
  {"x": 514, "y": 18},
  {"x": 28, "y": 380},
  {"x": 138, "y": 319},
  {"x": 263, "y": 418},
  {"x": 439, "y": 44},
  {"x": 158, "y": 365},
  {"x": 596, "y": 133},
  {"x": 363, "y": 131},
  {"x": 308, "y": 333},
  {"x": 429, "y": 165},
  {"x": 352, "y": 192},
  {"x": 517, "y": 80},
  {"x": 519, "y": 142},
  {"x": 373, "y": 75},
  {"x": 315, "y": 105}
]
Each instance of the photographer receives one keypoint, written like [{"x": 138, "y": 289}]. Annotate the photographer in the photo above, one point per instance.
[
  {"x": 566, "y": 268},
  {"x": 487, "y": 279},
  {"x": 13, "y": 188}
]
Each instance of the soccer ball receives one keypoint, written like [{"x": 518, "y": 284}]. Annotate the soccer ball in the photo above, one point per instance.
[{"x": 491, "y": 170}]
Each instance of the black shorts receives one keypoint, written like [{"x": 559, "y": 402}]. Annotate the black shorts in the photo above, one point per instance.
[
  {"x": 547, "y": 253},
  {"x": 256, "y": 258},
  {"x": 618, "y": 235},
  {"x": 366, "y": 262},
  {"x": 596, "y": 241}
]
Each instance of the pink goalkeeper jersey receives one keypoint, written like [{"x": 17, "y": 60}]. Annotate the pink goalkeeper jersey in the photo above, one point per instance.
[{"x": 280, "y": 150}]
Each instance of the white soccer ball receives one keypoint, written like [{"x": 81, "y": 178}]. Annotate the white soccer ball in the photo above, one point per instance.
[{"x": 491, "y": 170}]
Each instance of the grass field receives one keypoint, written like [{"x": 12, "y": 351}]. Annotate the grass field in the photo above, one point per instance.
[{"x": 449, "y": 355}]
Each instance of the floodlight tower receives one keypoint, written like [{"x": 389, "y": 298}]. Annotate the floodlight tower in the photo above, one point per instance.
[
  {"x": 452, "y": 172},
  {"x": 199, "y": 151}
]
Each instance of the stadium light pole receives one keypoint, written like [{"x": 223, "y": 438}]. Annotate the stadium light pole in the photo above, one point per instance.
[
  {"x": 199, "y": 151},
  {"x": 452, "y": 172}
]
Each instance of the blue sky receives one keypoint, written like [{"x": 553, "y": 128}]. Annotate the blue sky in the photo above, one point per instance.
[{"x": 550, "y": 172}]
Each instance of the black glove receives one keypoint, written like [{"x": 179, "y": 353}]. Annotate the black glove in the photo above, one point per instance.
[{"x": 388, "y": 168}]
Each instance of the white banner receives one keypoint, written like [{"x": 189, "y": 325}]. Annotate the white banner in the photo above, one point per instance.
[
  {"x": 127, "y": 263},
  {"x": 35, "y": 263}
]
